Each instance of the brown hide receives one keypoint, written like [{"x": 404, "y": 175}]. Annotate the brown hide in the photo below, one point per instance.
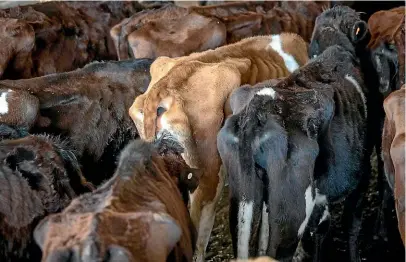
[
  {"x": 17, "y": 42},
  {"x": 193, "y": 92},
  {"x": 393, "y": 151},
  {"x": 89, "y": 106},
  {"x": 39, "y": 176},
  {"x": 389, "y": 27},
  {"x": 179, "y": 37},
  {"x": 120, "y": 32},
  {"x": 68, "y": 35},
  {"x": 139, "y": 210},
  {"x": 166, "y": 32}
]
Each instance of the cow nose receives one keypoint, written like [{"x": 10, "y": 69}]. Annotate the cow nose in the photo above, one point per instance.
[
  {"x": 62, "y": 255},
  {"x": 384, "y": 85}
]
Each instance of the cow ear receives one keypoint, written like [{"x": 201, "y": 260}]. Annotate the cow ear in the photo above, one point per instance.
[
  {"x": 359, "y": 31},
  {"x": 14, "y": 29},
  {"x": 40, "y": 232}
]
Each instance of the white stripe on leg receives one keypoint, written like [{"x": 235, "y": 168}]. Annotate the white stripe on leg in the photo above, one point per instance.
[{"x": 245, "y": 210}]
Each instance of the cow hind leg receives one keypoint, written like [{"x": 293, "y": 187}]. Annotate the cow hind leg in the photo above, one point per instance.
[
  {"x": 352, "y": 217},
  {"x": 314, "y": 228},
  {"x": 204, "y": 223},
  {"x": 263, "y": 232}
]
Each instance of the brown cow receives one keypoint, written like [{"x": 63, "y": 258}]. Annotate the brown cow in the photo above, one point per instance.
[
  {"x": 39, "y": 175},
  {"x": 17, "y": 40},
  {"x": 89, "y": 106},
  {"x": 68, "y": 35},
  {"x": 388, "y": 47},
  {"x": 138, "y": 215},
  {"x": 176, "y": 37},
  {"x": 393, "y": 151},
  {"x": 163, "y": 32},
  {"x": 188, "y": 96}
]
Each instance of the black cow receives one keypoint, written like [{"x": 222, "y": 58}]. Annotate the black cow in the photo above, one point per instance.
[{"x": 297, "y": 146}]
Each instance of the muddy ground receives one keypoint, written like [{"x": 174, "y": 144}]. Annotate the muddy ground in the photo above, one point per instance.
[{"x": 372, "y": 250}]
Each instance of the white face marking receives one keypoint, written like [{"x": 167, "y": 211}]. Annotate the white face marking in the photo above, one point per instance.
[
  {"x": 245, "y": 210},
  {"x": 290, "y": 62},
  {"x": 189, "y": 176},
  {"x": 267, "y": 92},
  {"x": 314, "y": 56},
  {"x": 359, "y": 90},
  {"x": 4, "y": 103},
  {"x": 263, "y": 232},
  {"x": 310, "y": 203}
]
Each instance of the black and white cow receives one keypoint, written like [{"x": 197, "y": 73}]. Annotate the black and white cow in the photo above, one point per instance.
[{"x": 297, "y": 146}]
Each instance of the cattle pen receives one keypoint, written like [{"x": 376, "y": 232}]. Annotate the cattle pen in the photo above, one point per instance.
[{"x": 193, "y": 131}]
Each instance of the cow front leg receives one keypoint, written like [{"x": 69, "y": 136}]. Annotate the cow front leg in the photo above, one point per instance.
[
  {"x": 314, "y": 228},
  {"x": 203, "y": 215},
  {"x": 352, "y": 217}
]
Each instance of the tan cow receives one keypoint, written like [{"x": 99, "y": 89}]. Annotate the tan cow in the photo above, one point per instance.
[
  {"x": 393, "y": 151},
  {"x": 189, "y": 97}
]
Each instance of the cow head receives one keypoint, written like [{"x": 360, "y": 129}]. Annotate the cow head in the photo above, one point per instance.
[
  {"x": 123, "y": 219},
  {"x": 387, "y": 47},
  {"x": 108, "y": 237},
  {"x": 339, "y": 25},
  {"x": 17, "y": 41}
]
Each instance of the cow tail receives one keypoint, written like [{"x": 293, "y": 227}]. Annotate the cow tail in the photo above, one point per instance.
[{"x": 247, "y": 203}]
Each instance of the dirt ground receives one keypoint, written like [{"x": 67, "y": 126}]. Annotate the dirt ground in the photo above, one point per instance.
[{"x": 372, "y": 250}]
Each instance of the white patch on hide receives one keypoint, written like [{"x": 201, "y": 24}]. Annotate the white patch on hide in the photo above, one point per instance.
[
  {"x": 359, "y": 90},
  {"x": 4, "y": 103},
  {"x": 310, "y": 203},
  {"x": 245, "y": 211},
  {"x": 267, "y": 92},
  {"x": 290, "y": 62},
  {"x": 263, "y": 232}
]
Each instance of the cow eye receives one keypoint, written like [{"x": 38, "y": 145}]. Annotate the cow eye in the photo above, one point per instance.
[{"x": 160, "y": 111}]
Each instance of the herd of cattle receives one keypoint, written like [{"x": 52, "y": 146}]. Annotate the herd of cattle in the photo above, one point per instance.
[{"x": 122, "y": 122}]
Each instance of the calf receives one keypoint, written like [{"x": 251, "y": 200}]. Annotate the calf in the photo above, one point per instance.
[
  {"x": 189, "y": 97},
  {"x": 39, "y": 175},
  {"x": 138, "y": 215},
  {"x": 88, "y": 106},
  {"x": 393, "y": 151},
  {"x": 17, "y": 40},
  {"x": 279, "y": 149},
  {"x": 343, "y": 26}
]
